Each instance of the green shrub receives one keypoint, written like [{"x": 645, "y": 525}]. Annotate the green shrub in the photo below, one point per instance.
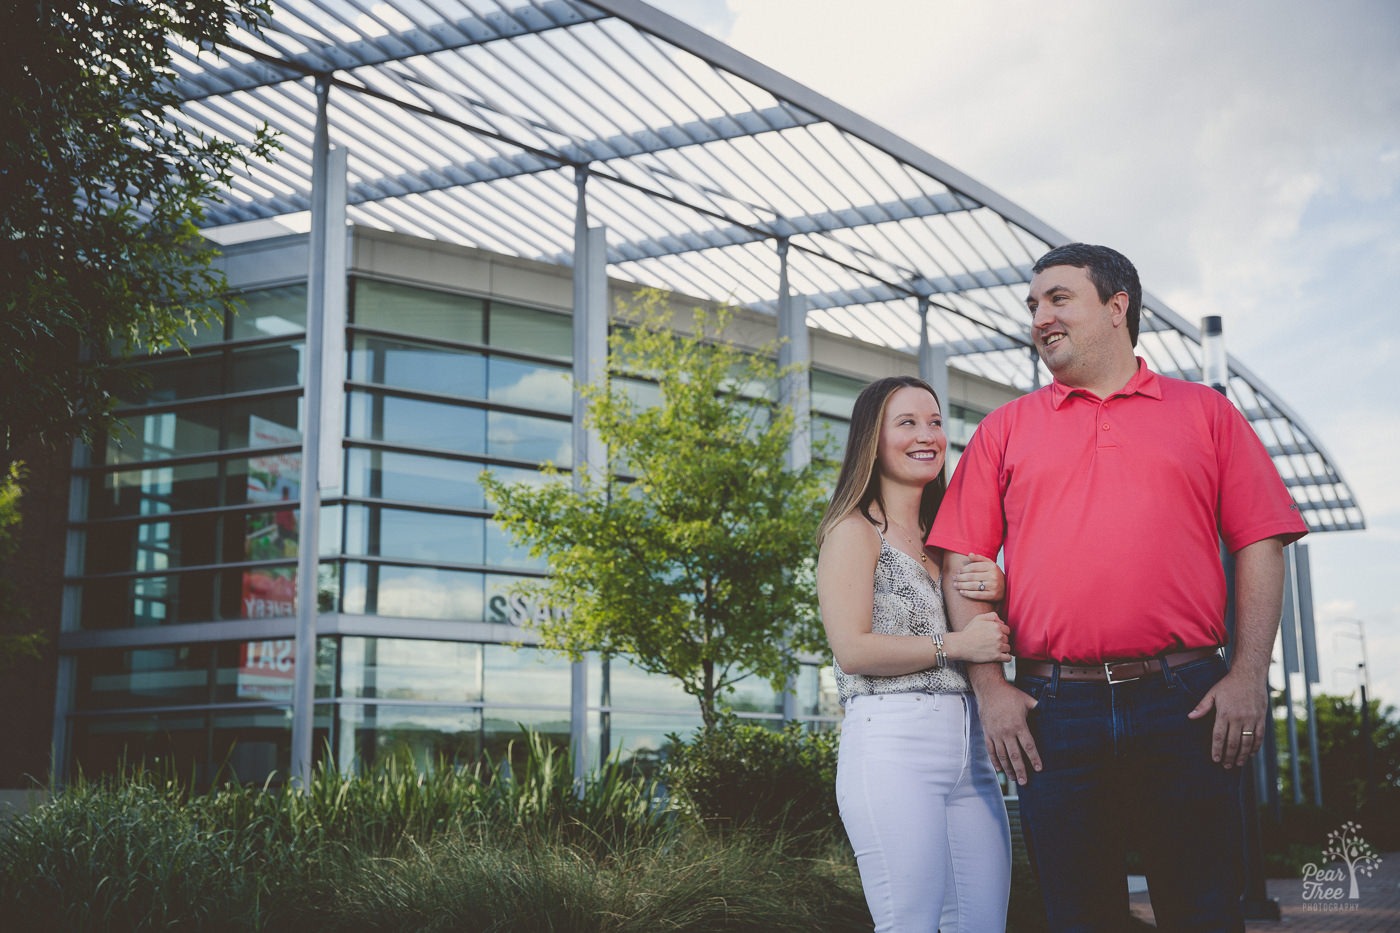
[
  {"x": 127, "y": 857},
  {"x": 743, "y": 774}
]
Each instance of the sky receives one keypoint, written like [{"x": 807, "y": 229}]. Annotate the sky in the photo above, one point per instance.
[{"x": 1245, "y": 154}]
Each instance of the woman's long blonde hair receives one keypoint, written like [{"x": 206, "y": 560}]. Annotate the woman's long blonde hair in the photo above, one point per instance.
[{"x": 858, "y": 484}]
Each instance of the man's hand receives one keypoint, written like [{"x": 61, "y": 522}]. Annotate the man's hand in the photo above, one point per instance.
[
  {"x": 1241, "y": 716},
  {"x": 1003, "y": 710}
]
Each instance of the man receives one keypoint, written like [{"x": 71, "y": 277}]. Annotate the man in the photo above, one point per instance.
[{"x": 1109, "y": 491}]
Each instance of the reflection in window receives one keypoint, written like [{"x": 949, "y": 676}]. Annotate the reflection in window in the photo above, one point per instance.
[
  {"x": 521, "y": 437},
  {"x": 408, "y": 669},
  {"x": 530, "y": 385},
  {"x": 416, "y": 423},
  {"x": 410, "y": 534},
  {"x": 384, "y": 474},
  {"x": 531, "y": 330},
  {"x": 271, "y": 312},
  {"x": 421, "y": 367},
  {"x": 526, "y": 677},
  {"x": 419, "y": 312},
  {"x": 834, "y": 395},
  {"x": 412, "y": 592}
]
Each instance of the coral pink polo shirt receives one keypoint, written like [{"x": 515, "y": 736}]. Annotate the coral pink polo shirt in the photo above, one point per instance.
[{"x": 1111, "y": 513}]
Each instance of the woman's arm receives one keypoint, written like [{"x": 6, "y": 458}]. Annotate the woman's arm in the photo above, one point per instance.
[{"x": 846, "y": 592}]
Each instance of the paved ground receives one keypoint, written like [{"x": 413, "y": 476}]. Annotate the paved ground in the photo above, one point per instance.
[{"x": 1320, "y": 910}]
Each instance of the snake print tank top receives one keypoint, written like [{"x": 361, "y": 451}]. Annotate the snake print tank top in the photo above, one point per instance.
[{"x": 907, "y": 602}]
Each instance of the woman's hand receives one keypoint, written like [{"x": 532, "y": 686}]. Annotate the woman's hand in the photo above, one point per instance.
[
  {"x": 980, "y": 579},
  {"x": 986, "y": 638}
]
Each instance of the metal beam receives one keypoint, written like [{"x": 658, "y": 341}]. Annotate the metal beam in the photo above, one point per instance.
[{"x": 325, "y": 57}]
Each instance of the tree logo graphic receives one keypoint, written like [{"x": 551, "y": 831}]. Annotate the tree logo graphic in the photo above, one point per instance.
[{"x": 1345, "y": 845}]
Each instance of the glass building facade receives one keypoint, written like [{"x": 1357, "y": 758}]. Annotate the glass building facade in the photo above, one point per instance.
[{"x": 186, "y": 530}]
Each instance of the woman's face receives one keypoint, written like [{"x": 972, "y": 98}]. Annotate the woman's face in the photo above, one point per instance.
[{"x": 912, "y": 442}]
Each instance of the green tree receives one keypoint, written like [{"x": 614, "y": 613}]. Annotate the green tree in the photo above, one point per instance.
[
  {"x": 100, "y": 193},
  {"x": 698, "y": 566},
  {"x": 1343, "y": 756},
  {"x": 13, "y": 644}
]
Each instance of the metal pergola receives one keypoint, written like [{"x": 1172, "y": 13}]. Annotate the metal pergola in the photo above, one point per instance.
[{"x": 478, "y": 122}]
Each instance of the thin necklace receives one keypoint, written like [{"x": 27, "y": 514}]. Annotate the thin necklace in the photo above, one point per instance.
[{"x": 923, "y": 553}]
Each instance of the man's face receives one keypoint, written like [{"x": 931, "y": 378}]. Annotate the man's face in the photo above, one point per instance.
[{"x": 1075, "y": 332}]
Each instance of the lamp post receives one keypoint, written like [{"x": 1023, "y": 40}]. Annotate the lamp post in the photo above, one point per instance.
[
  {"x": 1363, "y": 669},
  {"x": 1255, "y": 903}
]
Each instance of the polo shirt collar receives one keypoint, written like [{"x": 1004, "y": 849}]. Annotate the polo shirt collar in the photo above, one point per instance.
[{"x": 1143, "y": 382}]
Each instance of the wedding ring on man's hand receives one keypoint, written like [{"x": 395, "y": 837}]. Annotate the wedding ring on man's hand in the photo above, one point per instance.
[{"x": 1246, "y": 732}]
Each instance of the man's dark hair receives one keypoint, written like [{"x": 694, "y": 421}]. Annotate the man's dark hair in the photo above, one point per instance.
[{"x": 1109, "y": 270}]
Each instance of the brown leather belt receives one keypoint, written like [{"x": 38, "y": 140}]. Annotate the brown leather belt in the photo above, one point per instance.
[{"x": 1112, "y": 672}]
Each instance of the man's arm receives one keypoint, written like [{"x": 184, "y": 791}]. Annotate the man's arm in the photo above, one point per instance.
[
  {"x": 1241, "y": 698},
  {"x": 1000, "y": 705}
]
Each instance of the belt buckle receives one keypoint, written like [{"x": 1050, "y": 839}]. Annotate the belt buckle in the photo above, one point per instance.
[{"x": 1108, "y": 672}]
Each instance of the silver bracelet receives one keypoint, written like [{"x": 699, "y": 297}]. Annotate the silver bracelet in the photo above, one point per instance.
[{"x": 940, "y": 654}]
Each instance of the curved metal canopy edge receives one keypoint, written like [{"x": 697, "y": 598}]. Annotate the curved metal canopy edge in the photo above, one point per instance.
[{"x": 467, "y": 121}]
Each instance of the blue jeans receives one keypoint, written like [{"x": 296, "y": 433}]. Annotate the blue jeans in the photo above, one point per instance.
[{"x": 1124, "y": 768}]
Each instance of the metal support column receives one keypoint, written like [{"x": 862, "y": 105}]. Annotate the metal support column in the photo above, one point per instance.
[
  {"x": 1255, "y": 902},
  {"x": 590, "y": 367},
  {"x": 325, "y": 316},
  {"x": 933, "y": 360},
  {"x": 794, "y": 350}
]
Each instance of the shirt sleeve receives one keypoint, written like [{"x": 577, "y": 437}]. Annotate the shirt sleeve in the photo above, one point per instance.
[
  {"x": 1254, "y": 502},
  {"x": 970, "y": 519}
]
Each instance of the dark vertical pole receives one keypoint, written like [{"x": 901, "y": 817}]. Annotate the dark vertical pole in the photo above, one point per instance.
[{"x": 1255, "y": 903}]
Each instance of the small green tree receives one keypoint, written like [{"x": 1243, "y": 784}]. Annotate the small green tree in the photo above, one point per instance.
[
  {"x": 13, "y": 644},
  {"x": 700, "y": 566},
  {"x": 100, "y": 193}
]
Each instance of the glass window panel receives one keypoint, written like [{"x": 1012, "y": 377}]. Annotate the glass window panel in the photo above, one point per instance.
[
  {"x": 502, "y": 551},
  {"x": 187, "y": 486},
  {"x": 373, "y": 732},
  {"x": 816, "y": 692},
  {"x": 833, "y": 432},
  {"x": 256, "y": 745},
  {"x": 531, "y": 330},
  {"x": 191, "y": 596},
  {"x": 506, "y": 606},
  {"x": 383, "y": 532},
  {"x": 174, "y": 379},
  {"x": 413, "y": 592},
  {"x": 526, "y": 677},
  {"x": 834, "y": 395},
  {"x": 271, "y": 312},
  {"x": 132, "y": 546},
  {"x": 264, "y": 422},
  {"x": 521, "y": 437},
  {"x": 422, "y": 367},
  {"x": 273, "y": 367},
  {"x": 106, "y": 744},
  {"x": 408, "y": 669},
  {"x": 753, "y": 695},
  {"x": 202, "y": 429},
  {"x": 144, "y": 677},
  {"x": 630, "y": 687},
  {"x": 376, "y": 474},
  {"x": 503, "y": 735},
  {"x": 415, "y": 423},
  {"x": 418, "y": 311},
  {"x": 165, "y": 434},
  {"x": 530, "y": 385},
  {"x": 638, "y": 738}
]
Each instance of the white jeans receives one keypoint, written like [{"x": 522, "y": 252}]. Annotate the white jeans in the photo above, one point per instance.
[{"x": 924, "y": 812}]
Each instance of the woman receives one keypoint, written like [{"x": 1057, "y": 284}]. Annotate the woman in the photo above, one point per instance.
[{"x": 916, "y": 790}]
